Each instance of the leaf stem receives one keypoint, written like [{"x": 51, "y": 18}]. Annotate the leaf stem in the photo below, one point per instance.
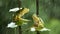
[
  {"x": 19, "y": 5},
  {"x": 37, "y": 12},
  {"x": 20, "y": 31},
  {"x": 37, "y": 7},
  {"x": 37, "y": 32}
]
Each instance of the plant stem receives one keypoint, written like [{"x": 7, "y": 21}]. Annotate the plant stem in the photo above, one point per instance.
[
  {"x": 37, "y": 32},
  {"x": 37, "y": 7},
  {"x": 20, "y": 31},
  {"x": 15, "y": 30},
  {"x": 19, "y": 4},
  {"x": 37, "y": 12}
]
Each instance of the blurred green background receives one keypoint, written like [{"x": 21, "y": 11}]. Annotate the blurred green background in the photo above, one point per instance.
[{"x": 49, "y": 11}]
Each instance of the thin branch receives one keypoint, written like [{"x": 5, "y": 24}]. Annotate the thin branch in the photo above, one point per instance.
[
  {"x": 19, "y": 5},
  {"x": 37, "y": 12},
  {"x": 38, "y": 32},
  {"x": 37, "y": 7},
  {"x": 20, "y": 30}
]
